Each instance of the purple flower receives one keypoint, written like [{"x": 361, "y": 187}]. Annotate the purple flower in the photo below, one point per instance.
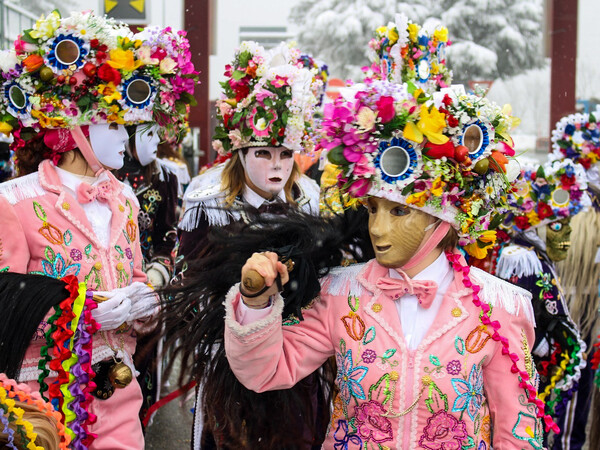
[
  {"x": 369, "y": 356},
  {"x": 128, "y": 253},
  {"x": 75, "y": 254},
  {"x": 453, "y": 367}
]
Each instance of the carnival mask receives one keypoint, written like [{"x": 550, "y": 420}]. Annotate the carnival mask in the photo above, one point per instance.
[
  {"x": 108, "y": 143},
  {"x": 267, "y": 169},
  {"x": 146, "y": 143},
  {"x": 396, "y": 231},
  {"x": 558, "y": 239}
]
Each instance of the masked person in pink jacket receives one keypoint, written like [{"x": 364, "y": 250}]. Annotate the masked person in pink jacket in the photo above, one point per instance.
[
  {"x": 68, "y": 216},
  {"x": 430, "y": 353}
]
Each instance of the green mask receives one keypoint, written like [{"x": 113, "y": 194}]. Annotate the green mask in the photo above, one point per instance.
[{"x": 558, "y": 239}]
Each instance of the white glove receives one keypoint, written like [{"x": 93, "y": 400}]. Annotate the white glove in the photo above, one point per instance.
[
  {"x": 112, "y": 313},
  {"x": 144, "y": 301}
]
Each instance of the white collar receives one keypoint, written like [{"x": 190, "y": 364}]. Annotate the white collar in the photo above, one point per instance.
[
  {"x": 72, "y": 181},
  {"x": 256, "y": 200},
  {"x": 436, "y": 271}
]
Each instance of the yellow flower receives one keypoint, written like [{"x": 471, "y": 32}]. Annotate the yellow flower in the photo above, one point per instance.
[
  {"x": 417, "y": 93},
  {"x": 381, "y": 31},
  {"x": 116, "y": 115},
  {"x": 437, "y": 187},
  {"x": 441, "y": 34},
  {"x": 47, "y": 122},
  {"x": 5, "y": 128},
  {"x": 44, "y": 28},
  {"x": 366, "y": 119},
  {"x": 393, "y": 35},
  {"x": 418, "y": 199},
  {"x": 123, "y": 59},
  {"x": 413, "y": 31},
  {"x": 429, "y": 125},
  {"x": 137, "y": 43},
  {"x": 533, "y": 218},
  {"x": 475, "y": 250},
  {"x": 109, "y": 91}
]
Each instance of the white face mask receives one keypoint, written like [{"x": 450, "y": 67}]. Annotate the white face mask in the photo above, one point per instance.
[
  {"x": 267, "y": 169},
  {"x": 108, "y": 144},
  {"x": 146, "y": 143}
]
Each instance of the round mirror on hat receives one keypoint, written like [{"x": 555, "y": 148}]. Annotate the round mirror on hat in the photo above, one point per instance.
[
  {"x": 397, "y": 160},
  {"x": 476, "y": 138}
]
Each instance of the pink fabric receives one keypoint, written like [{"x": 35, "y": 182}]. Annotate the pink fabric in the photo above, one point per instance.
[
  {"x": 87, "y": 193},
  {"x": 51, "y": 235},
  {"x": 379, "y": 378},
  {"x": 395, "y": 288},
  {"x": 86, "y": 150},
  {"x": 426, "y": 247}
]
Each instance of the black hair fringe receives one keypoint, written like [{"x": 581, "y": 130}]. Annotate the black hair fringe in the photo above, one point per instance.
[
  {"x": 193, "y": 315},
  {"x": 25, "y": 300}
]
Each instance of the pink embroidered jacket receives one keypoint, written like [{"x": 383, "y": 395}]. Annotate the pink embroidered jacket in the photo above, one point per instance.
[
  {"x": 455, "y": 391},
  {"x": 44, "y": 230}
]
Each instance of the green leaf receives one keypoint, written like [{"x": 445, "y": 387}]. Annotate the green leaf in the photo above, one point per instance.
[
  {"x": 247, "y": 132},
  {"x": 238, "y": 75},
  {"x": 84, "y": 102},
  {"x": 563, "y": 144},
  {"x": 381, "y": 391},
  {"x": 336, "y": 156},
  {"x": 284, "y": 117},
  {"x": 496, "y": 221},
  {"x": 220, "y": 133},
  {"x": 592, "y": 117},
  {"x": 411, "y": 87},
  {"x": 180, "y": 107},
  {"x": 540, "y": 173},
  {"x": 236, "y": 118},
  {"x": 189, "y": 98},
  {"x": 244, "y": 58},
  {"x": 26, "y": 37},
  {"x": 408, "y": 188}
]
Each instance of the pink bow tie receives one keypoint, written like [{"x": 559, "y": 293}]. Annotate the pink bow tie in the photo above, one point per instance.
[
  {"x": 87, "y": 193},
  {"x": 395, "y": 288}
]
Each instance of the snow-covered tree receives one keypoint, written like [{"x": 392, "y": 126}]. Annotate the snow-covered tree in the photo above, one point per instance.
[{"x": 491, "y": 38}]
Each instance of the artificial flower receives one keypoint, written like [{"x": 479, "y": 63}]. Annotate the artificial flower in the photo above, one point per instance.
[
  {"x": 8, "y": 60},
  {"x": 5, "y": 128},
  {"x": 431, "y": 124},
  {"x": 109, "y": 92},
  {"x": 44, "y": 28},
  {"x": 47, "y": 122},
  {"x": 33, "y": 62},
  {"x": 385, "y": 108},
  {"x": 123, "y": 60},
  {"x": 441, "y": 34},
  {"x": 392, "y": 35},
  {"x": 145, "y": 56},
  {"x": 418, "y": 198},
  {"x": 167, "y": 65},
  {"x": 108, "y": 74},
  {"x": 359, "y": 188},
  {"x": 365, "y": 119},
  {"x": 413, "y": 31},
  {"x": 437, "y": 187}
]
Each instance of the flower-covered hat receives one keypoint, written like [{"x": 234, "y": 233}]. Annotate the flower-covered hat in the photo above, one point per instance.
[
  {"x": 84, "y": 69},
  {"x": 267, "y": 100},
  {"x": 546, "y": 193},
  {"x": 577, "y": 137},
  {"x": 403, "y": 51},
  {"x": 391, "y": 140}
]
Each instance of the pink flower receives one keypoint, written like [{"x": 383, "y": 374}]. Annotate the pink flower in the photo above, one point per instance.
[
  {"x": 359, "y": 188},
  {"x": 280, "y": 81},
  {"x": 370, "y": 423},
  {"x": 261, "y": 94},
  {"x": 443, "y": 432},
  {"x": 386, "y": 110},
  {"x": 363, "y": 168},
  {"x": 353, "y": 153}
]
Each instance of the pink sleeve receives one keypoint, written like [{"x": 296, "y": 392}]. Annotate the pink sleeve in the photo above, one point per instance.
[
  {"x": 265, "y": 355},
  {"x": 14, "y": 251},
  {"x": 515, "y": 425}
]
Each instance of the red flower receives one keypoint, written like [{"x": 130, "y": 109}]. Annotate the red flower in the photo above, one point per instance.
[
  {"x": 451, "y": 120},
  {"x": 544, "y": 210},
  {"x": 386, "y": 110},
  {"x": 241, "y": 91},
  {"x": 108, "y": 74},
  {"x": 522, "y": 222},
  {"x": 437, "y": 151},
  {"x": 443, "y": 431},
  {"x": 159, "y": 54},
  {"x": 100, "y": 56},
  {"x": 567, "y": 181},
  {"x": 94, "y": 43},
  {"x": 447, "y": 100},
  {"x": 370, "y": 423}
]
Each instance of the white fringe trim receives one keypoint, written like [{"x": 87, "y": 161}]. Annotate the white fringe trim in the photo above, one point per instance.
[
  {"x": 309, "y": 202},
  {"x": 519, "y": 261},
  {"x": 22, "y": 188},
  {"x": 214, "y": 210},
  {"x": 344, "y": 280},
  {"x": 501, "y": 293},
  {"x": 242, "y": 331}
]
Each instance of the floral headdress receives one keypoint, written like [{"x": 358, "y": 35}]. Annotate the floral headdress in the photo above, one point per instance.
[
  {"x": 577, "y": 137},
  {"x": 391, "y": 140},
  {"x": 267, "y": 100},
  {"x": 546, "y": 193},
  {"x": 403, "y": 51},
  {"x": 320, "y": 73},
  {"x": 86, "y": 69}
]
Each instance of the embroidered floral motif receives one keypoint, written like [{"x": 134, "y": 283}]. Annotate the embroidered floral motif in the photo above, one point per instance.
[
  {"x": 128, "y": 253},
  {"x": 436, "y": 400},
  {"x": 486, "y": 429},
  {"x": 343, "y": 439},
  {"x": 58, "y": 268},
  {"x": 349, "y": 377},
  {"x": 369, "y": 356},
  {"x": 477, "y": 339},
  {"x": 443, "y": 432},
  {"x": 482, "y": 446},
  {"x": 75, "y": 254},
  {"x": 355, "y": 326},
  {"x": 470, "y": 393},
  {"x": 532, "y": 436},
  {"x": 51, "y": 233},
  {"x": 453, "y": 367},
  {"x": 369, "y": 335},
  {"x": 371, "y": 425},
  {"x": 459, "y": 345}
]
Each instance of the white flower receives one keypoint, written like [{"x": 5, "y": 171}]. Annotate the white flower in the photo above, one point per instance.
[{"x": 8, "y": 60}]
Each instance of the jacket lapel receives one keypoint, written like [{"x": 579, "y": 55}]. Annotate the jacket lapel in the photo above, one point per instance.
[{"x": 66, "y": 205}]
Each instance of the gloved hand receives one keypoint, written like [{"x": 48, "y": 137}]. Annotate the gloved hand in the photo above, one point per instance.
[
  {"x": 114, "y": 311},
  {"x": 144, "y": 301}
]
